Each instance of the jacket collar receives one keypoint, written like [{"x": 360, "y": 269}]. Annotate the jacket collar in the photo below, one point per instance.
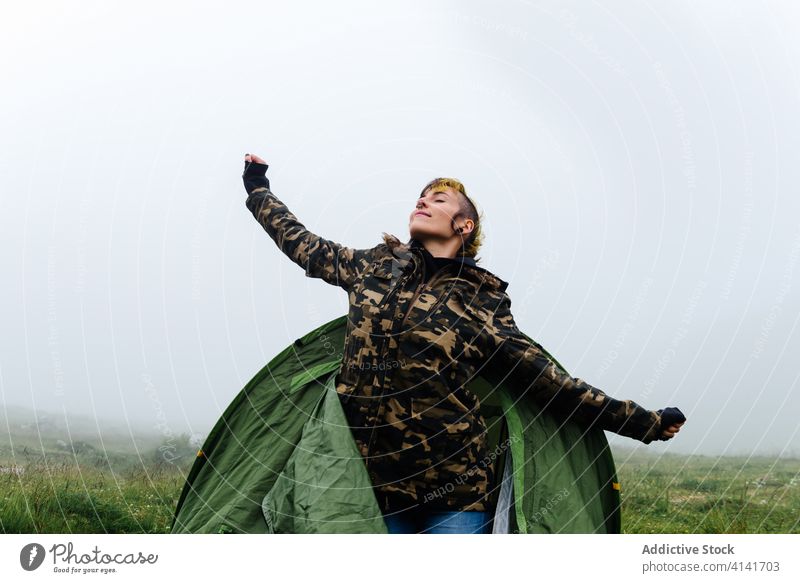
[
  {"x": 405, "y": 251},
  {"x": 414, "y": 244}
]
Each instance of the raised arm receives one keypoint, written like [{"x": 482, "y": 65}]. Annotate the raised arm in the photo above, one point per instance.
[
  {"x": 333, "y": 263},
  {"x": 530, "y": 369}
]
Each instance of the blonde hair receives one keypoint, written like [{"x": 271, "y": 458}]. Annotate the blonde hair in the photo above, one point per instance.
[{"x": 472, "y": 243}]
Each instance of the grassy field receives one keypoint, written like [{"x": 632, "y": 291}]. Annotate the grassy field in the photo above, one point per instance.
[
  {"x": 708, "y": 495},
  {"x": 115, "y": 486},
  {"x": 85, "y": 487}
]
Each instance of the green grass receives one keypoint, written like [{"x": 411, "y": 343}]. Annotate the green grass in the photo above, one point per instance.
[
  {"x": 709, "y": 495},
  {"x": 74, "y": 499},
  {"x": 97, "y": 488},
  {"x": 113, "y": 486}
]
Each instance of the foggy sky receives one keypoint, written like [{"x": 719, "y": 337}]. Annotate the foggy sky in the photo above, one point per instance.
[{"x": 636, "y": 164}]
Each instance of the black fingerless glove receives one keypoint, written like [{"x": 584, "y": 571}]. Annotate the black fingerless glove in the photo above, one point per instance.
[
  {"x": 254, "y": 176},
  {"x": 670, "y": 416}
]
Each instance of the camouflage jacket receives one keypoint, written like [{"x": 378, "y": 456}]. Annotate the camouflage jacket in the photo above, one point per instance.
[{"x": 410, "y": 348}]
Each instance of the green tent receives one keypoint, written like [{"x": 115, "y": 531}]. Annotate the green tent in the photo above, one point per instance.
[{"x": 282, "y": 459}]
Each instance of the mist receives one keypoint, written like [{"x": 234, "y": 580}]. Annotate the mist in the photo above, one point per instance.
[{"x": 635, "y": 165}]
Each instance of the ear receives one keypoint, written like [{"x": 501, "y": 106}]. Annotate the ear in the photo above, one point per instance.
[{"x": 467, "y": 227}]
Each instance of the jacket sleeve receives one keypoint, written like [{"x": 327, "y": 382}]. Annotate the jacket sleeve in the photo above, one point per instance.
[
  {"x": 528, "y": 368},
  {"x": 321, "y": 258}
]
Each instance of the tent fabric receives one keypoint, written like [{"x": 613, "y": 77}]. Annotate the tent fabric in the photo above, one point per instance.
[
  {"x": 281, "y": 459},
  {"x": 501, "y": 523},
  {"x": 325, "y": 487}
]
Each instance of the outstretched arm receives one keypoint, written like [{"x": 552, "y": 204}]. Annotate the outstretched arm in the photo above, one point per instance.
[
  {"x": 530, "y": 369},
  {"x": 333, "y": 263}
]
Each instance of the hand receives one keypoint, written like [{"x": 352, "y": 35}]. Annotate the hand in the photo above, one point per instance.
[
  {"x": 253, "y": 158},
  {"x": 670, "y": 431},
  {"x": 254, "y": 175},
  {"x": 671, "y": 420}
]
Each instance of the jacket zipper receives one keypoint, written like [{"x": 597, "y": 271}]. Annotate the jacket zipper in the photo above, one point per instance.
[
  {"x": 382, "y": 352},
  {"x": 411, "y": 304}
]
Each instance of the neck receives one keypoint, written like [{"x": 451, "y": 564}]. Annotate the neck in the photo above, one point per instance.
[{"x": 438, "y": 248}]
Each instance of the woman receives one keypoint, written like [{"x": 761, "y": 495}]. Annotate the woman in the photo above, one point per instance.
[{"x": 424, "y": 318}]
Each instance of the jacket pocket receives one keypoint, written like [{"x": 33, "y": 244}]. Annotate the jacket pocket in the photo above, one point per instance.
[
  {"x": 377, "y": 285},
  {"x": 469, "y": 303},
  {"x": 351, "y": 363},
  {"x": 459, "y": 313},
  {"x": 386, "y": 268}
]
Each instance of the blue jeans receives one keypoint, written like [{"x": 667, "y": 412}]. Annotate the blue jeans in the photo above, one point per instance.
[{"x": 444, "y": 522}]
